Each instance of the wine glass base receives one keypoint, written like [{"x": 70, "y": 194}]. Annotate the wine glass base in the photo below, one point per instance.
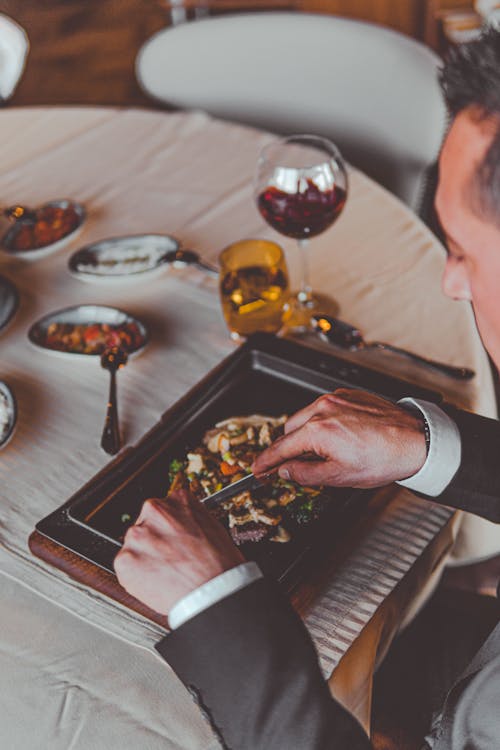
[{"x": 298, "y": 313}]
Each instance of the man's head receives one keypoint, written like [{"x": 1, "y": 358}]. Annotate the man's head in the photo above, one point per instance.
[{"x": 468, "y": 195}]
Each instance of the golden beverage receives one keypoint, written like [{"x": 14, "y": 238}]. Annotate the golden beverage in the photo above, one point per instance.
[{"x": 253, "y": 286}]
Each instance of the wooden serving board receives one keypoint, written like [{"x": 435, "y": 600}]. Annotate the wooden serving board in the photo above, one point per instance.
[
  {"x": 302, "y": 595},
  {"x": 91, "y": 575},
  {"x": 265, "y": 375}
]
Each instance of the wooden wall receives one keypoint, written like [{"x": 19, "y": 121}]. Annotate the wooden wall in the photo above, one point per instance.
[
  {"x": 83, "y": 51},
  {"x": 403, "y": 15}
]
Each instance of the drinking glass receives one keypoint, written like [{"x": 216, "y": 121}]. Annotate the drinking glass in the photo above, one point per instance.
[
  {"x": 254, "y": 286},
  {"x": 300, "y": 190}
]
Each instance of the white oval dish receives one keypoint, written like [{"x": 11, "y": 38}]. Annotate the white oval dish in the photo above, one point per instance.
[
  {"x": 122, "y": 258},
  {"x": 8, "y": 414},
  {"x": 86, "y": 315},
  {"x": 44, "y": 250}
]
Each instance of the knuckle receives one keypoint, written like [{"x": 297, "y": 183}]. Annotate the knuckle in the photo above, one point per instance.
[
  {"x": 157, "y": 510},
  {"x": 325, "y": 400},
  {"x": 147, "y": 509},
  {"x": 185, "y": 497},
  {"x": 128, "y": 536},
  {"x": 122, "y": 561},
  {"x": 132, "y": 534},
  {"x": 296, "y": 473},
  {"x": 175, "y": 494},
  {"x": 180, "y": 499},
  {"x": 343, "y": 393},
  {"x": 150, "y": 505},
  {"x": 180, "y": 494},
  {"x": 310, "y": 424},
  {"x": 312, "y": 428},
  {"x": 137, "y": 529}
]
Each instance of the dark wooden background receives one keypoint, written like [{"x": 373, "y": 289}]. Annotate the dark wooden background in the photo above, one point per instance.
[{"x": 83, "y": 51}]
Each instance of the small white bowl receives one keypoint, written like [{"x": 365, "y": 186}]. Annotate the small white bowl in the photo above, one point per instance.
[
  {"x": 117, "y": 259},
  {"x": 84, "y": 315},
  {"x": 8, "y": 402},
  {"x": 41, "y": 252}
]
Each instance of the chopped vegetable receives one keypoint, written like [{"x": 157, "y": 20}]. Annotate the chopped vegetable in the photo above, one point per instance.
[
  {"x": 226, "y": 455},
  {"x": 174, "y": 468},
  {"x": 228, "y": 470}
]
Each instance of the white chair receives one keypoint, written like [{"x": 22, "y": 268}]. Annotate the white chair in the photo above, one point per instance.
[
  {"x": 14, "y": 46},
  {"x": 371, "y": 90}
]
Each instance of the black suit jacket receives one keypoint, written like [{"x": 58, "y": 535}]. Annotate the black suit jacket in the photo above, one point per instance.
[{"x": 249, "y": 659}]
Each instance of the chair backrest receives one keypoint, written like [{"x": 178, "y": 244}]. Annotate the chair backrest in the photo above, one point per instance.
[
  {"x": 371, "y": 90},
  {"x": 14, "y": 48}
]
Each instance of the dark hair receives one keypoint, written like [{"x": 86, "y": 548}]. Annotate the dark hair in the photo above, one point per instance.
[{"x": 470, "y": 78}]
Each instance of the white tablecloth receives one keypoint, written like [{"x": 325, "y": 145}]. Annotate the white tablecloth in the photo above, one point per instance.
[{"x": 190, "y": 176}]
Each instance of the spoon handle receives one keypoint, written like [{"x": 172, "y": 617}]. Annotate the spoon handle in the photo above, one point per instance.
[
  {"x": 460, "y": 373},
  {"x": 212, "y": 270},
  {"x": 110, "y": 440}
]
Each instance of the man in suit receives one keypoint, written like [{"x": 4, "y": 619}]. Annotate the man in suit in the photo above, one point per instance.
[{"x": 235, "y": 641}]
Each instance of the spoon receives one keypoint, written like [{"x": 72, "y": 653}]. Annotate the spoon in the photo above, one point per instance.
[
  {"x": 348, "y": 337},
  {"x": 112, "y": 359},
  {"x": 181, "y": 258}
]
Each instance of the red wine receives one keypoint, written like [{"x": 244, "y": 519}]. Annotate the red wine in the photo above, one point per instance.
[{"x": 303, "y": 214}]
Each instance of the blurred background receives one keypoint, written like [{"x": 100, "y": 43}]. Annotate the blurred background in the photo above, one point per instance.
[{"x": 83, "y": 51}]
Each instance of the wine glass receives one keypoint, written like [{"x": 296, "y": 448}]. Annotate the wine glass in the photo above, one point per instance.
[{"x": 300, "y": 190}]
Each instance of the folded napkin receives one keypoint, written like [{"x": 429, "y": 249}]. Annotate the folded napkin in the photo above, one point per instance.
[{"x": 14, "y": 46}]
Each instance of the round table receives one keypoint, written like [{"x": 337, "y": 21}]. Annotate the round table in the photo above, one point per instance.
[{"x": 78, "y": 670}]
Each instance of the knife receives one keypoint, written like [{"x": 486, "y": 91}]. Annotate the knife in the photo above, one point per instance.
[
  {"x": 348, "y": 337},
  {"x": 247, "y": 484}
]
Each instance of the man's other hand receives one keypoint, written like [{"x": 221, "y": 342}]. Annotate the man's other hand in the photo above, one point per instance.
[
  {"x": 174, "y": 547},
  {"x": 351, "y": 438}
]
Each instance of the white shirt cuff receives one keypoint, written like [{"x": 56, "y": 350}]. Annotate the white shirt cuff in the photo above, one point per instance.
[
  {"x": 445, "y": 451},
  {"x": 213, "y": 591}
]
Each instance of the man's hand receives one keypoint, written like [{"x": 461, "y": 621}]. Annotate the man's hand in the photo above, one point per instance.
[
  {"x": 351, "y": 438},
  {"x": 174, "y": 546}
]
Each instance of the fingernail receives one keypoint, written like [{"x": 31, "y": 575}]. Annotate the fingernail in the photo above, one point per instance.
[{"x": 284, "y": 473}]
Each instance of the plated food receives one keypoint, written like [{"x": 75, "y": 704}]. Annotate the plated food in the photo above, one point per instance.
[
  {"x": 226, "y": 455},
  {"x": 41, "y": 231},
  {"x": 122, "y": 257},
  {"x": 88, "y": 330},
  {"x": 81, "y": 338}
]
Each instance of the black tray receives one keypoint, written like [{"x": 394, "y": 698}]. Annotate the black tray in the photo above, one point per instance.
[{"x": 266, "y": 375}]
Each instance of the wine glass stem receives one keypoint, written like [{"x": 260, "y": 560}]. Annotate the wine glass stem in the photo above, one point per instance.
[{"x": 304, "y": 296}]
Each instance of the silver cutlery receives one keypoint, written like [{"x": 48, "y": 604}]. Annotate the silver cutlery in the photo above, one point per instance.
[
  {"x": 348, "y": 337},
  {"x": 180, "y": 258},
  {"x": 247, "y": 484},
  {"x": 112, "y": 360}
]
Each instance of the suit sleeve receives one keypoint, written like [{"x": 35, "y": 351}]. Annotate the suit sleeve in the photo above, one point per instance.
[
  {"x": 476, "y": 485},
  {"x": 250, "y": 661},
  {"x": 254, "y": 671}
]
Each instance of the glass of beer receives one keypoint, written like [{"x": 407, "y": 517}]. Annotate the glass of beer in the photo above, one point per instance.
[{"x": 254, "y": 286}]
